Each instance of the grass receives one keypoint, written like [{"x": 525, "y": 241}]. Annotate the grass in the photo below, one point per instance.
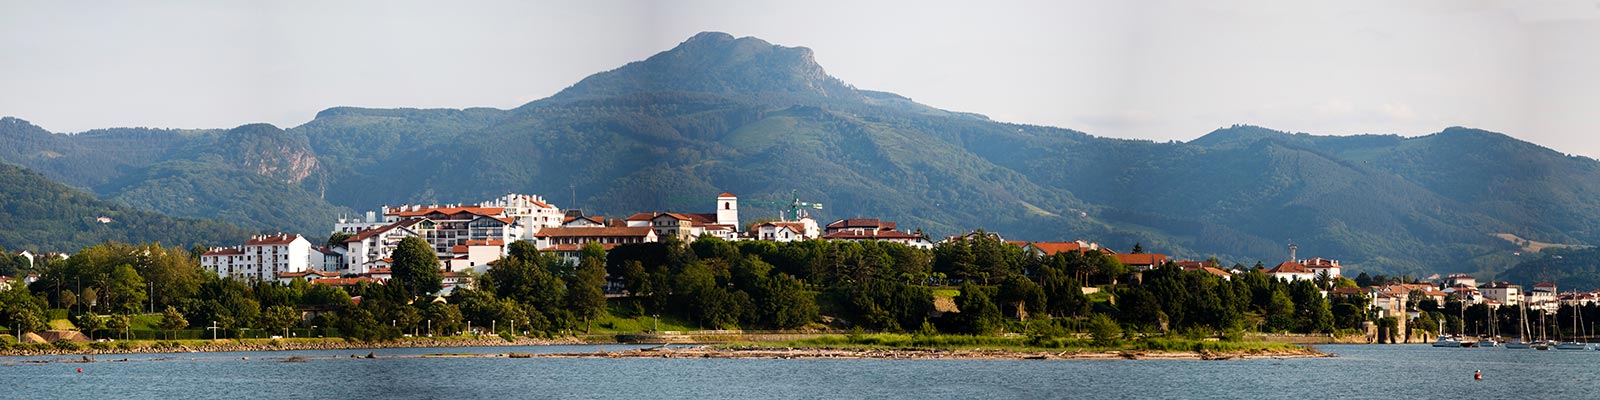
[
  {"x": 946, "y": 293},
  {"x": 147, "y": 322},
  {"x": 1021, "y": 344},
  {"x": 612, "y": 321},
  {"x": 62, "y": 325}
]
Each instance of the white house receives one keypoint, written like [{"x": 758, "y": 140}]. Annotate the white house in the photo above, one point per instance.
[
  {"x": 373, "y": 245},
  {"x": 568, "y": 242},
  {"x": 1504, "y": 292},
  {"x": 1291, "y": 271},
  {"x": 870, "y": 229},
  {"x": 1323, "y": 266}
]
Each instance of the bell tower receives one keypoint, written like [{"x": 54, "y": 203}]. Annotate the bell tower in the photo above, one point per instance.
[{"x": 728, "y": 210}]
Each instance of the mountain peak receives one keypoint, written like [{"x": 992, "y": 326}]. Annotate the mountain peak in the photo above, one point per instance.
[{"x": 719, "y": 63}]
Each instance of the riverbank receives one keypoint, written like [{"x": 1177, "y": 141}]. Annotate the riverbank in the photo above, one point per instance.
[{"x": 231, "y": 345}]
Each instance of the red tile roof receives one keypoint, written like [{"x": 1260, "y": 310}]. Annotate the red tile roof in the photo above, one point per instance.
[
  {"x": 1289, "y": 267},
  {"x": 872, "y": 223},
  {"x": 575, "y": 247},
  {"x": 608, "y": 231},
  {"x": 489, "y": 211},
  {"x": 306, "y": 273},
  {"x": 1053, "y": 248},
  {"x": 271, "y": 240},
  {"x": 224, "y": 251},
  {"x": 726, "y": 194},
  {"x": 344, "y": 281},
  {"x": 869, "y": 235},
  {"x": 1141, "y": 259}
]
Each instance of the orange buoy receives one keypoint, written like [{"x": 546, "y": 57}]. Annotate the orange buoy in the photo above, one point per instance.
[{"x": 1477, "y": 375}]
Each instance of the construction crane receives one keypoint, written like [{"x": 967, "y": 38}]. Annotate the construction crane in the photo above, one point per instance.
[{"x": 797, "y": 207}]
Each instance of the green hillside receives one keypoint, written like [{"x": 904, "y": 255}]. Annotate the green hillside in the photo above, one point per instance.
[{"x": 41, "y": 215}]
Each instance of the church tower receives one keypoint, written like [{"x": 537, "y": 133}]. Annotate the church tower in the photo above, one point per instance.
[{"x": 728, "y": 211}]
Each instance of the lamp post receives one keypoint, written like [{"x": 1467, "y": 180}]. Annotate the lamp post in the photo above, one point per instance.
[{"x": 430, "y": 328}]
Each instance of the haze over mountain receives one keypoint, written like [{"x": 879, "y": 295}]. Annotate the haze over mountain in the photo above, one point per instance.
[{"x": 719, "y": 113}]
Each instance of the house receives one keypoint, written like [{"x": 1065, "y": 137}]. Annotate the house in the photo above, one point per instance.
[
  {"x": 1503, "y": 292},
  {"x": 26, "y": 255},
  {"x": 475, "y": 255},
  {"x": 261, "y": 258},
  {"x": 785, "y": 231},
  {"x": 1291, "y": 271},
  {"x": 1206, "y": 267},
  {"x": 872, "y": 229},
  {"x": 1542, "y": 291},
  {"x": 346, "y": 281},
  {"x": 452, "y": 280},
  {"x": 1323, "y": 267},
  {"x": 723, "y": 224},
  {"x": 1460, "y": 279},
  {"x": 568, "y": 242},
  {"x": 327, "y": 258},
  {"x": 1045, "y": 249},
  {"x": 576, "y": 219},
  {"x": 370, "y": 246},
  {"x": 308, "y": 275},
  {"x": 1141, "y": 261}
]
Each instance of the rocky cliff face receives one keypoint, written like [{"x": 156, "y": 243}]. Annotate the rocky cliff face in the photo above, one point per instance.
[{"x": 271, "y": 152}]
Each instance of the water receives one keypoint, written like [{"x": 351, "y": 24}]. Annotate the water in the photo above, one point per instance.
[{"x": 1376, "y": 372}]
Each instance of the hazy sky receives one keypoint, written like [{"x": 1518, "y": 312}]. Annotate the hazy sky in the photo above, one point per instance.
[{"x": 1156, "y": 70}]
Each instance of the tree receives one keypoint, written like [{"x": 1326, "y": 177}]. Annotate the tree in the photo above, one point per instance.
[
  {"x": 442, "y": 318},
  {"x": 1021, "y": 296},
  {"x": 67, "y": 299},
  {"x": 977, "y": 313},
  {"x": 279, "y": 318},
  {"x": 1104, "y": 330},
  {"x": 172, "y": 320},
  {"x": 89, "y": 323},
  {"x": 1138, "y": 248},
  {"x": 416, "y": 267},
  {"x": 119, "y": 324},
  {"x": 91, "y": 297},
  {"x": 584, "y": 295},
  {"x": 338, "y": 238}
]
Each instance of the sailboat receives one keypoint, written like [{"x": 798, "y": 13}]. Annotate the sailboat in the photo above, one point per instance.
[
  {"x": 1445, "y": 340},
  {"x": 1522, "y": 331},
  {"x": 1488, "y": 341},
  {"x": 1544, "y": 341},
  {"x": 1573, "y": 344}
]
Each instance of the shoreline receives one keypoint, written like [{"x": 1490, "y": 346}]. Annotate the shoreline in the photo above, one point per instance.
[
  {"x": 744, "y": 352},
  {"x": 664, "y": 351},
  {"x": 267, "y": 345}
]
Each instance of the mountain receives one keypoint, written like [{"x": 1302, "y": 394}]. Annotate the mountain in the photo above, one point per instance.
[
  {"x": 1569, "y": 269},
  {"x": 719, "y": 113},
  {"x": 256, "y": 175},
  {"x": 41, "y": 215}
]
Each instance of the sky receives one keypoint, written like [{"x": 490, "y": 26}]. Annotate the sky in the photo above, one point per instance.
[{"x": 1158, "y": 70}]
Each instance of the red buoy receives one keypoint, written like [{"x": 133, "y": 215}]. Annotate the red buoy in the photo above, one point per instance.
[
  {"x": 80, "y": 370},
  {"x": 1477, "y": 375}
]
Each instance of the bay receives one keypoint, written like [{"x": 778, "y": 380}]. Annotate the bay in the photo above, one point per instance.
[{"x": 1359, "y": 371}]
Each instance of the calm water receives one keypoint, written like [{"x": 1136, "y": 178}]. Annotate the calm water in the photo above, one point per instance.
[{"x": 1387, "y": 372}]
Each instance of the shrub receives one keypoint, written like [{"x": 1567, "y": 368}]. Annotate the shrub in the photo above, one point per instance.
[
  {"x": 1104, "y": 330},
  {"x": 124, "y": 345},
  {"x": 508, "y": 336},
  {"x": 43, "y": 346},
  {"x": 100, "y": 346},
  {"x": 68, "y": 345}
]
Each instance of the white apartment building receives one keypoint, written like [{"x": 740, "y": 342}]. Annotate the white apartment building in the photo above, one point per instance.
[{"x": 261, "y": 258}]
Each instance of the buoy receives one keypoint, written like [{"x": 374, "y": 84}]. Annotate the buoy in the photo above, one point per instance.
[
  {"x": 1477, "y": 375},
  {"x": 80, "y": 370}
]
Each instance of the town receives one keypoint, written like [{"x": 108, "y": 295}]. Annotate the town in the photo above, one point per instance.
[{"x": 468, "y": 240}]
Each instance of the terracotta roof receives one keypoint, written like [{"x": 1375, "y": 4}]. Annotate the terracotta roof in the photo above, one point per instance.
[
  {"x": 600, "y": 220},
  {"x": 309, "y": 272},
  {"x": 1141, "y": 259},
  {"x": 1544, "y": 284},
  {"x": 1054, "y": 248},
  {"x": 271, "y": 240},
  {"x": 594, "y": 231},
  {"x": 869, "y": 235},
  {"x": 797, "y": 227},
  {"x": 1289, "y": 267},
  {"x": 1346, "y": 291},
  {"x": 873, "y": 223},
  {"x": 448, "y": 211},
  {"x": 364, "y": 234},
  {"x": 344, "y": 281},
  {"x": 576, "y": 247},
  {"x": 224, "y": 251},
  {"x": 726, "y": 194}
]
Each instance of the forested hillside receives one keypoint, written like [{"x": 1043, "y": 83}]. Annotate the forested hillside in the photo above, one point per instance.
[{"x": 40, "y": 215}]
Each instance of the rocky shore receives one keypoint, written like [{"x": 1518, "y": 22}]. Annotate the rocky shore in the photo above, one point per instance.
[{"x": 284, "y": 345}]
